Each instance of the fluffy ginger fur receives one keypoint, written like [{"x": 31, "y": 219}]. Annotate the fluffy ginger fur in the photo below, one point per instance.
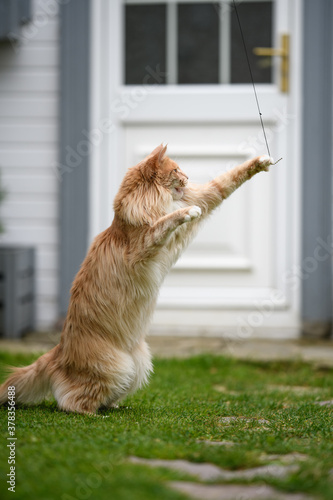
[{"x": 102, "y": 354}]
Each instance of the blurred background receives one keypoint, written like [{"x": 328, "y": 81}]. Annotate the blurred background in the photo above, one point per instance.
[{"x": 88, "y": 88}]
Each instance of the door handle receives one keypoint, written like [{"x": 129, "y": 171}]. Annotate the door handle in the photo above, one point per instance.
[{"x": 283, "y": 52}]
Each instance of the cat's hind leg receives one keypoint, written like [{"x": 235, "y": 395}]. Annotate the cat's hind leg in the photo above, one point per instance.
[
  {"x": 87, "y": 391},
  {"x": 143, "y": 365},
  {"x": 80, "y": 397}
]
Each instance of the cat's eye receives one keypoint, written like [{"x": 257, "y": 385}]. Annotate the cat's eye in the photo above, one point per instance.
[{"x": 175, "y": 170}]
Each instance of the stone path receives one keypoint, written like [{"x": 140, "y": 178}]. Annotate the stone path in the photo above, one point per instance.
[
  {"x": 319, "y": 352},
  {"x": 228, "y": 420},
  {"x": 227, "y": 444},
  {"x": 211, "y": 472},
  {"x": 315, "y": 351},
  {"x": 233, "y": 492},
  {"x": 324, "y": 403}
]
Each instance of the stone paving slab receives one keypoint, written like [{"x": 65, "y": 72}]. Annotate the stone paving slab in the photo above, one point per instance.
[
  {"x": 288, "y": 458},
  {"x": 233, "y": 492},
  {"x": 211, "y": 472},
  {"x": 227, "y": 420},
  {"x": 227, "y": 444},
  {"x": 324, "y": 403}
]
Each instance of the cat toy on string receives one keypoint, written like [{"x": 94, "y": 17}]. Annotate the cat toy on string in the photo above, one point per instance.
[{"x": 253, "y": 84}]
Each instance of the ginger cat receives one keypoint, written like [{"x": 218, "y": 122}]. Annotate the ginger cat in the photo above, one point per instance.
[{"x": 102, "y": 354}]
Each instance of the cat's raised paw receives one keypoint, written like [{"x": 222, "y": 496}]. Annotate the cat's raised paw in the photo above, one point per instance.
[
  {"x": 265, "y": 161},
  {"x": 194, "y": 212}
]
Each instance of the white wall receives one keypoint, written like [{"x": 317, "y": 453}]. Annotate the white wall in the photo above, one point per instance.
[{"x": 29, "y": 95}]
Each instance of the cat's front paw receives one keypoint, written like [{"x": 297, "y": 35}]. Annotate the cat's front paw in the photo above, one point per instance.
[
  {"x": 193, "y": 213},
  {"x": 265, "y": 161}
]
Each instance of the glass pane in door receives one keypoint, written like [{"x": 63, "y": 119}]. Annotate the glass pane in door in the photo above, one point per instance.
[
  {"x": 145, "y": 43},
  {"x": 256, "y": 22},
  {"x": 198, "y": 43}
]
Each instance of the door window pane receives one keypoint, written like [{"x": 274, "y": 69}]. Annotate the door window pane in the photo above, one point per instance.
[
  {"x": 256, "y": 21},
  {"x": 198, "y": 43},
  {"x": 145, "y": 43}
]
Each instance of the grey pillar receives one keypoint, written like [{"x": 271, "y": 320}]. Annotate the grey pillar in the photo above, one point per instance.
[
  {"x": 74, "y": 147},
  {"x": 317, "y": 168}
]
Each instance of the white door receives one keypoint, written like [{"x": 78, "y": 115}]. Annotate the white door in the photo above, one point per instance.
[{"x": 175, "y": 72}]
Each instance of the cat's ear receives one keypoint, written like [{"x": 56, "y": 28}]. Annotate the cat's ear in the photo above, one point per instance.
[
  {"x": 156, "y": 156},
  {"x": 152, "y": 162}
]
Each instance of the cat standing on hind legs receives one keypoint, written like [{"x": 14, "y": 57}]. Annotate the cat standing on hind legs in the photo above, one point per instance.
[{"x": 102, "y": 355}]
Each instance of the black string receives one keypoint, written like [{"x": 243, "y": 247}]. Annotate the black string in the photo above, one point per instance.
[{"x": 254, "y": 87}]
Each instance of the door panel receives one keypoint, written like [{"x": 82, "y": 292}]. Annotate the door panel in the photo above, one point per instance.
[{"x": 224, "y": 249}]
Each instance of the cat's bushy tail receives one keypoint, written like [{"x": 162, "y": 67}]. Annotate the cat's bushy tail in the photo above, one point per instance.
[{"x": 32, "y": 383}]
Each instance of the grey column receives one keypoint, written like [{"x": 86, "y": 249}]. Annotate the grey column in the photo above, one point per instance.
[
  {"x": 317, "y": 168},
  {"x": 74, "y": 147}
]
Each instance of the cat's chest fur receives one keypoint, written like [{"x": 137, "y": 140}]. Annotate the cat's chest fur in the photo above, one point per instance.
[
  {"x": 175, "y": 205},
  {"x": 154, "y": 269}
]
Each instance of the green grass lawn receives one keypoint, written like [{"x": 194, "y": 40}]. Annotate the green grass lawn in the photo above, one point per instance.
[{"x": 68, "y": 456}]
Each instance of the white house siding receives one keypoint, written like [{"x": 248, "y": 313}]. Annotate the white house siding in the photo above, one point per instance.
[{"x": 29, "y": 95}]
